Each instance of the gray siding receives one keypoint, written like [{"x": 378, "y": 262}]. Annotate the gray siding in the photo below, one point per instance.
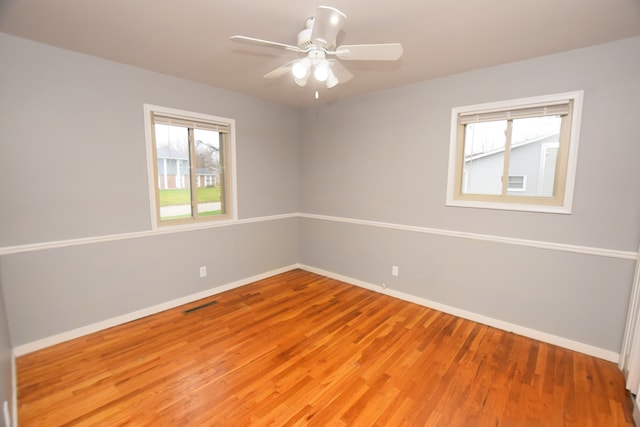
[{"x": 524, "y": 161}]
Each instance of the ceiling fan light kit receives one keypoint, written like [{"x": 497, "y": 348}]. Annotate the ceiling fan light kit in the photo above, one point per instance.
[
  {"x": 300, "y": 69},
  {"x": 317, "y": 42}
]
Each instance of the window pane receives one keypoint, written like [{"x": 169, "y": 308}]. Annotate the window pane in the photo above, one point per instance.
[
  {"x": 484, "y": 145},
  {"x": 208, "y": 172},
  {"x": 172, "y": 149},
  {"x": 516, "y": 183},
  {"x": 534, "y": 151},
  {"x": 538, "y": 154},
  {"x": 191, "y": 179}
]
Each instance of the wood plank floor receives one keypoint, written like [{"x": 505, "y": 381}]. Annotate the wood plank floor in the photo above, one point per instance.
[{"x": 302, "y": 349}]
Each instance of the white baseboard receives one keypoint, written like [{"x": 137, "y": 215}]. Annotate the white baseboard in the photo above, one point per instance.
[
  {"x": 496, "y": 323},
  {"x": 510, "y": 327},
  {"x": 115, "y": 321},
  {"x": 95, "y": 327}
]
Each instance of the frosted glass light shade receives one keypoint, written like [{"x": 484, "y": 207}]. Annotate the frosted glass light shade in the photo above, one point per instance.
[
  {"x": 321, "y": 71},
  {"x": 300, "y": 69}
]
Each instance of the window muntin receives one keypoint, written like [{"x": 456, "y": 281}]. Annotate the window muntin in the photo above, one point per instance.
[
  {"x": 191, "y": 158},
  {"x": 534, "y": 139}
]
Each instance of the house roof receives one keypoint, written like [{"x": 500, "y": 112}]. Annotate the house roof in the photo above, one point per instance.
[
  {"x": 551, "y": 137},
  {"x": 165, "y": 152}
]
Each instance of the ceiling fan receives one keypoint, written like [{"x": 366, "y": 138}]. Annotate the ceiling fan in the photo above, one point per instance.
[{"x": 317, "y": 42}]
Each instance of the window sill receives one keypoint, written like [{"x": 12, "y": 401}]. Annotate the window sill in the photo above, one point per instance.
[{"x": 564, "y": 210}]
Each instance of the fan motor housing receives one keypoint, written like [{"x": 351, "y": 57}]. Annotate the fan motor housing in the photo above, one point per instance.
[{"x": 304, "y": 39}]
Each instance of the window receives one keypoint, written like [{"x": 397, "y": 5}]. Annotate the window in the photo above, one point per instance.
[
  {"x": 516, "y": 183},
  {"x": 518, "y": 155},
  {"x": 191, "y": 166}
]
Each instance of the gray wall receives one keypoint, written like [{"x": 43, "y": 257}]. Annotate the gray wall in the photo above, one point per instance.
[
  {"x": 55, "y": 291},
  {"x": 73, "y": 147},
  {"x": 73, "y": 165},
  {"x": 384, "y": 157}
]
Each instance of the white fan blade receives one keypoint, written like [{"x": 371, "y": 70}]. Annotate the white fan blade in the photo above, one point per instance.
[
  {"x": 265, "y": 43},
  {"x": 286, "y": 69},
  {"x": 370, "y": 52},
  {"x": 326, "y": 25},
  {"x": 280, "y": 71},
  {"x": 340, "y": 71}
]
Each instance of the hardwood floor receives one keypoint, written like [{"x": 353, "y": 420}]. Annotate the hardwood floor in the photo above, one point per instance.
[{"x": 302, "y": 349}]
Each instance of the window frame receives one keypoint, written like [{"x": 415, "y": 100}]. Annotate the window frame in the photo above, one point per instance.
[
  {"x": 570, "y": 131},
  {"x": 230, "y": 179}
]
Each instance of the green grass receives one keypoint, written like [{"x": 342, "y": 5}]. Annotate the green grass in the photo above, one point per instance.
[{"x": 183, "y": 196}]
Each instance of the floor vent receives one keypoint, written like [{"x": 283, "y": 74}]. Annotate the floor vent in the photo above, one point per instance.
[{"x": 191, "y": 310}]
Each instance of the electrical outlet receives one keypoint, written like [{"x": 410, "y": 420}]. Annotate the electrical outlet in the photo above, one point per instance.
[
  {"x": 203, "y": 271},
  {"x": 383, "y": 285},
  {"x": 394, "y": 270}
]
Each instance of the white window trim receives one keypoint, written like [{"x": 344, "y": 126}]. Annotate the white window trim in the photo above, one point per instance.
[
  {"x": 567, "y": 205},
  {"x": 148, "y": 109}
]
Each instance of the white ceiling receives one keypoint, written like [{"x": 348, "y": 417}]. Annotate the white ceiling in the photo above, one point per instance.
[{"x": 190, "y": 38}]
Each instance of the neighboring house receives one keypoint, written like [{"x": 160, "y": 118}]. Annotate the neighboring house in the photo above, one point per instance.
[
  {"x": 532, "y": 166},
  {"x": 173, "y": 171}
]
